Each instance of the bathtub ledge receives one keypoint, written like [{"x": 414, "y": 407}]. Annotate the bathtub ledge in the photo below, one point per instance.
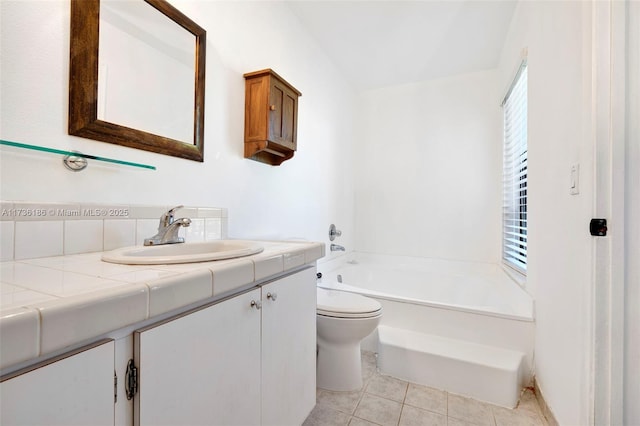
[{"x": 482, "y": 372}]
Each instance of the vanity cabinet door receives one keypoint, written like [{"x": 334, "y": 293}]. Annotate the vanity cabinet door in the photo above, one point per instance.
[
  {"x": 74, "y": 389},
  {"x": 289, "y": 349},
  {"x": 201, "y": 368}
]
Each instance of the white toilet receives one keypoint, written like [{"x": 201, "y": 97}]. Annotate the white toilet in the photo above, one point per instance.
[{"x": 343, "y": 320}]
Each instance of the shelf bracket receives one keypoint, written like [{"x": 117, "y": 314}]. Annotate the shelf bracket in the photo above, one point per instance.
[{"x": 74, "y": 162}]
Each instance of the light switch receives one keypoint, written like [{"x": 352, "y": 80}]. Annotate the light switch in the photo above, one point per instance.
[{"x": 574, "y": 184}]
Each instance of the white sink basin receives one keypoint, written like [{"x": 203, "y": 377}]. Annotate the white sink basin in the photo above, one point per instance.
[{"x": 183, "y": 252}]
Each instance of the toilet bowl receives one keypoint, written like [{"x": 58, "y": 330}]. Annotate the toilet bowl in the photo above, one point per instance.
[{"x": 343, "y": 320}]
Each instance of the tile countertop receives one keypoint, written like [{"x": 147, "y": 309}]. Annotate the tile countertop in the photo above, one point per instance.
[{"x": 51, "y": 303}]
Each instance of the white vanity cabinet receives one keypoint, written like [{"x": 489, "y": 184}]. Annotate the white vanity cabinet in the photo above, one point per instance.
[
  {"x": 201, "y": 368},
  {"x": 74, "y": 389},
  {"x": 246, "y": 360},
  {"x": 289, "y": 349}
]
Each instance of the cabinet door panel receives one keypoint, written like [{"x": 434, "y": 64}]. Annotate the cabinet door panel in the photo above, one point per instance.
[
  {"x": 276, "y": 114},
  {"x": 75, "y": 390},
  {"x": 288, "y": 118},
  {"x": 123, "y": 407},
  {"x": 282, "y": 120},
  {"x": 289, "y": 349},
  {"x": 202, "y": 368}
]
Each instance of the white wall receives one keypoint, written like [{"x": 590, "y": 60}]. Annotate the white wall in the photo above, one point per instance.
[
  {"x": 429, "y": 164},
  {"x": 298, "y": 199},
  {"x": 558, "y": 38}
]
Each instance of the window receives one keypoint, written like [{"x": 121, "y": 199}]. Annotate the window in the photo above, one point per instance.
[{"x": 514, "y": 180}]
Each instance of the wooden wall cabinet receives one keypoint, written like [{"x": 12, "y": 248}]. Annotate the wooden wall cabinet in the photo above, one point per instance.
[{"x": 270, "y": 117}]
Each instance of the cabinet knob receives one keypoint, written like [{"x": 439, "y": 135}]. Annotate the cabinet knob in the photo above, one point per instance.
[
  {"x": 272, "y": 107},
  {"x": 272, "y": 296},
  {"x": 257, "y": 305}
]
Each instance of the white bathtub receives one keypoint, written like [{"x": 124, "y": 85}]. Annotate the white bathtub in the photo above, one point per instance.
[
  {"x": 480, "y": 288},
  {"x": 474, "y": 303}
]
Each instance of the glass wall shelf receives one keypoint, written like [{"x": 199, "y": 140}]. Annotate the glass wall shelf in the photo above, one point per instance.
[{"x": 72, "y": 154}]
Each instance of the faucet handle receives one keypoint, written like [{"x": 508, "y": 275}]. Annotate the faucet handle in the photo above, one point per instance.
[
  {"x": 167, "y": 217},
  {"x": 334, "y": 232}
]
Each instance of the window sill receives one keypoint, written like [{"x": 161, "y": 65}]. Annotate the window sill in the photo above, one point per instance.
[{"x": 517, "y": 276}]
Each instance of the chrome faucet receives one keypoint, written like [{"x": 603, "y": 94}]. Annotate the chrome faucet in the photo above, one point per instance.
[
  {"x": 336, "y": 247},
  {"x": 168, "y": 229}
]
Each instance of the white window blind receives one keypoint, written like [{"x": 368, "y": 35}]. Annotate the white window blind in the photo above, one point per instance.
[{"x": 514, "y": 208}]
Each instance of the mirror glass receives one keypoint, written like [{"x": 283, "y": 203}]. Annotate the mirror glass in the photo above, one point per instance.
[
  {"x": 136, "y": 76},
  {"x": 144, "y": 55}
]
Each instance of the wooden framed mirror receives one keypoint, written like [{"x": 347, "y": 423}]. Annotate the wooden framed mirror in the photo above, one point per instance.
[{"x": 88, "y": 106}]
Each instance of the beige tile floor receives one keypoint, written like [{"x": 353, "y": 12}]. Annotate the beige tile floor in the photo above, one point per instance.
[{"x": 384, "y": 400}]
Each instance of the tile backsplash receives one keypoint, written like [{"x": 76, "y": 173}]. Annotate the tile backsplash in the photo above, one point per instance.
[{"x": 29, "y": 229}]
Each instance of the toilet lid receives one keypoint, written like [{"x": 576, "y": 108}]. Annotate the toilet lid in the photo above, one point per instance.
[{"x": 346, "y": 305}]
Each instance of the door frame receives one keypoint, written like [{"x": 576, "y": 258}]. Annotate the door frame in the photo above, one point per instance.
[{"x": 608, "y": 286}]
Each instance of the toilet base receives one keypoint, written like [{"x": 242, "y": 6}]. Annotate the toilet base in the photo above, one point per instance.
[{"x": 339, "y": 367}]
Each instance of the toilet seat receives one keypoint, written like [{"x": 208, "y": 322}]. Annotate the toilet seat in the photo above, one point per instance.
[{"x": 341, "y": 304}]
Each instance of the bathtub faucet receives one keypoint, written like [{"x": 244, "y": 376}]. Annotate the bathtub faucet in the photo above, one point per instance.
[
  {"x": 168, "y": 229},
  {"x": 336, "y": 247}
]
